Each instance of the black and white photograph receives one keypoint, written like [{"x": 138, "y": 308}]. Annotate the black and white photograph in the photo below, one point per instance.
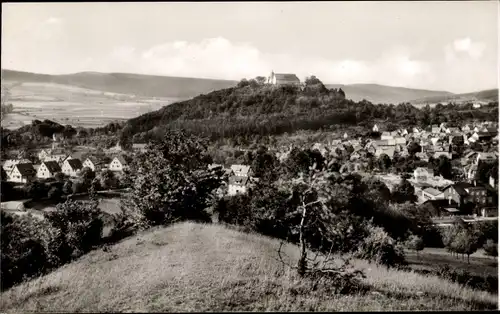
[{"x": 249, "y": 156}]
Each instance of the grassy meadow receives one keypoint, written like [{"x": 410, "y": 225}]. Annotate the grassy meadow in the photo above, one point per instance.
[{"x": 196, "y": 267}]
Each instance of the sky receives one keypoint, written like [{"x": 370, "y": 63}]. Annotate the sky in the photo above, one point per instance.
[{"x": 450, "y": 46}]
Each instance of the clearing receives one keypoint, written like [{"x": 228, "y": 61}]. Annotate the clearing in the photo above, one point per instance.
[{"x": 196, "y": 267}]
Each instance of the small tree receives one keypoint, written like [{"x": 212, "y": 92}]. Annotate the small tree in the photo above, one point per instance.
[
  {"x": 107, "y": 179},
  {"x": 68, "y": 187},
  {"x": 77, "y": 228},
  {"x": 176, "y": 169},
  {"x": 415, "y": 243},
  {"x": 55, "y": 193},
  {"x": 491, "y": 248},
  {"x": 466, "y": 242}
]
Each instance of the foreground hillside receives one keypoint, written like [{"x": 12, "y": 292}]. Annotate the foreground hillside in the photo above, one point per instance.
[
  {"x": 193, "y": 267},
  {"x": 124, "y": 83},
  {"x": 380, "y": 94}
]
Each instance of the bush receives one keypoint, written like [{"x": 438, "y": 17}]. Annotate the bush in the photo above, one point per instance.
[
  {"x": 23, "y": 253},
  {"x": 490, "y": 248},
  {"x": 55, "y": 193},
  {"x": 380, "y": 248},
  {"x": 75, "y": 227},
  {"x": 487, "y": 283},
  {"x": 415, "y": 243}
]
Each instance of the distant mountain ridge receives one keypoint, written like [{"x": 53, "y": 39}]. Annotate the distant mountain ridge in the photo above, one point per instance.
[
  {"x": 126, "y": 83},
  {"x": 482, "y": 96},
  {"x": 376, "y": 93},
  {"x": 185, "y": 88}
]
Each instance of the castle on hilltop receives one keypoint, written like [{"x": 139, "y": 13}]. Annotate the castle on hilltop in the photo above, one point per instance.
[{"x": 283, "y": 79}]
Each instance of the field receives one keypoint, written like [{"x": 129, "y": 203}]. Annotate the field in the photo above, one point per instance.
[
  {"x": 194, "y": 267},
  {"x": 72, "y": 105},
  {"x": 431, "y": 258}
]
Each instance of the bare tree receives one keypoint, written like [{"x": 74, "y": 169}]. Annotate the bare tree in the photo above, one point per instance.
[{"x": 312, "y": 192}]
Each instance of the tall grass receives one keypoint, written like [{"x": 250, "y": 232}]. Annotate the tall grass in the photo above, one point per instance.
[{"x": 196, "y": 267}]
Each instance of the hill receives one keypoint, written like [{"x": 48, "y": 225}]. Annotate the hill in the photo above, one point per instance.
[
  {"x": 481, "y": 96},
  {"x": 193, "y": 267},
  {"x": 125, "y": 83},
  {"x": 184, "y": 88},
  {"x": 381, "y": 94}
]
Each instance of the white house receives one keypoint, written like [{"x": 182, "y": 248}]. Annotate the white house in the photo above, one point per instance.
[
  {"x": 386, "y": 136},
  {"x": 71, "y": 167},
  {"x": 48, "y": 169},
  {"x": 423, "y": 174},
  {"x": 375, "y": 128},
  {"x": 345, "y": 136},
  {"x": 238, "y": 185},
  {"x": 22, "y": 173},
  {"x": 9, "y": 164},
  {"x": 283, "y": 79},
  {"x": 241, "y": 171},
  {"x": 118, "y": 164},
  {"x": 93, "y": 163},
  {"x": 432, "y": 194}
]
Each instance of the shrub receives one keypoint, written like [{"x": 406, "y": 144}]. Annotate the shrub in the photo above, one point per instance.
[
  {"x": 415, "y": 243},
  {"x": 491, "y": 248},
  {"x": 22, "y": 249},
  {"x": 75, "y": 227},
  {"x": 380, "y": 248},
  {"x": 55, "y": 193}
]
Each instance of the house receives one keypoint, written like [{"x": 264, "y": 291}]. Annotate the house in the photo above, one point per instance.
[
  {"x": 56, "y": 154},
  {"x": 489, "y": 211},
  {"x": 435, "y": 129},
  {"x": 241, "y": 171},
  {"x": 492, "y": 182},
  {"x": 93, "y": 163},
  {"x": 9, "y": 164},
  {"x": 118, "y": 164},
  {"x": 432, "y": 194},
  {"x": 238, "y": 185},
  {"x": 48, "y": 169},
  {"x": 440, "y": 207},
  {"x": 486, "y": 157},
  {"x": 283, "y": 79},
  {"x": 456, "y": 138},
  {"x": 476, "y": 105},
  {"x": 375, "y": 128},
  {"x": 71, "y": 167},
  {"x": 441, "y": 153},
  {"x": 139, "y": 147},
  {"x": 419, "y": 188},
  {"x": 388, "y": 150},
  {"x": 422, "y": 156},
  {"x": 416, "y": 130},
  {"x": 22, "y": 173},
  {"x": 351, "y": 167},
  {"x": 423, "y": 174},
  {"x": 463, "y": 193},
  {"x": 355, "y": 155},
  {"x": 386, "y": 136},
  {"x": 434, "y": 140},
  {"x": 399, "y": 141},
  {"x": 345, "y": 136}
]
